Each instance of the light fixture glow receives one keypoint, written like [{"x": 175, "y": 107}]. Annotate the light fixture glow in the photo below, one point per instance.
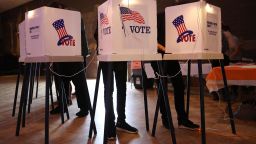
[
  {"x": 130, "y": 2},
  {"x": 31, "y": 14},
  {"x": 209, "y": 9}
]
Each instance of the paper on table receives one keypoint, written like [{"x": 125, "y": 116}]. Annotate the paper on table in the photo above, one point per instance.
[
  {"x": 248, "y": 66},
  {"x": 149, "y": 70}
]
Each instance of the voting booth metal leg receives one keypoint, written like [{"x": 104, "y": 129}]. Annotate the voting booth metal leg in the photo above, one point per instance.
[
  {"x": 32, "y": 78},
  {"x": 22, "y": 97},
  {"x": 166, "y": 100},
  {"x": 156, "y": 111},
  {"x": 48, "y": 82},
  {"x": 92, "y": 124},
  {"x": 16, "y": 90},
  {"x": 90, "y": 104},
  {"x": 26, "y": 95},
  {"x": 188, "y": 88},
  {"x": 145, "y": 95},
  {"x": 51, "y": 75},
  {"x": 62, "y": 96},
  {"x": 231, "y": 116},
  {"x": 163, "y": 87},
  {"x": 203, "y": 137},
  {"x": 65, "y": 101},
  {"x": 37, "y": 78}
]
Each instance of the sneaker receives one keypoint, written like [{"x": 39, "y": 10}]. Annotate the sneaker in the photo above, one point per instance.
[
  {"x": 187, "y": 124},
  {"x": 215, "y": 96},
  {"x": 165, "y": 123},
  {"x": 69, "y": 102},
  {"x": 56, "y": 110},
  {"x": 112, "y": 134},
  {"x": 125, "y": 127},
  {"x": 82, "y": 113}
]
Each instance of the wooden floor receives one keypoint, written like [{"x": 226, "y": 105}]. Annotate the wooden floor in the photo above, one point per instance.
[{"x": 75, "y": 130}]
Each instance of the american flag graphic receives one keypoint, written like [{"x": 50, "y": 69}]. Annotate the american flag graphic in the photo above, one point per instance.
[
  {"x": 103, "y": 19},
  {"x": 180, "y": 25},
  {"x": 128, "y": 14},
  {"x": 60, "y": 28}
]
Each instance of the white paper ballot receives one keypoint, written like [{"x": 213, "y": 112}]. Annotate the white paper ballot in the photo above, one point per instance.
[{"x": 149, "y": 70}]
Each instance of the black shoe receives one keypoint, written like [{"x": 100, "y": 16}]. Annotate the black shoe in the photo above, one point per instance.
[
  {"x": 165, "y": 122},
  {"x": 112, "y": 134},
  {"x": 69, "y": 102},
  {"x": 215, "y": 96},
  {"x": 56, "y": 110},
  {"x": 82, "y": 113},
  {"x": 125, "y": 127},
  {"x": 187, "y": 124}
]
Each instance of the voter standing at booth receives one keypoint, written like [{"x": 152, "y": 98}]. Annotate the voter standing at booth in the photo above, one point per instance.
[
  {"x": 79, "y": 80},
  {"x": 172, "y": 69},
  {"x": 119, "y": 71}
]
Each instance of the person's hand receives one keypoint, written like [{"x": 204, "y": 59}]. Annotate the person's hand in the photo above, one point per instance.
[{"x": 160, "y": 47}]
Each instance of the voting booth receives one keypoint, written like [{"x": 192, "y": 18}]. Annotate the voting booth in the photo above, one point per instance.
[
  {"x": 127, "y": 27},
  {"x": 22, "y": 41},
  {"x": 52, "y": 32},
  {"x": 193, "y": 28}
]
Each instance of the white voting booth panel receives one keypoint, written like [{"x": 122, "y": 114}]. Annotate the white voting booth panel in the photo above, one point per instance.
[
  {"x": 127, "y": 27},
  {"x": 193, "y": 28},
  {"x": 22, "y": 41},
  {"x": 53, "y": 32}
]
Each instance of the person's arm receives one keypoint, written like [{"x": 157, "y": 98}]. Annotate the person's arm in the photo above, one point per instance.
[{"x": 160, "y": 48}]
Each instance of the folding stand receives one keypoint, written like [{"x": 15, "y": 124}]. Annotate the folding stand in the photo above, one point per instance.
[
  {"x": 35, "y": 72},
  {"x": 231, "y": 116},
  {"x": 24, "y": 94},
  {"x": 16, "y": 89},
  {"x": 199, "y": 57},
  {"x": 24, "y": 97},
  {"x": 162, "y": 88}
]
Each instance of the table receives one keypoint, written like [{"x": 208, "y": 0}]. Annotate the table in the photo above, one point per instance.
[{"x": 242, "y": 75}]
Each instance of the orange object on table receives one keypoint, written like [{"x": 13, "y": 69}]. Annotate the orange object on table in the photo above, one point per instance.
[
  {"x": 236, "y": 75},
  {"x": 136, "y": 65}
]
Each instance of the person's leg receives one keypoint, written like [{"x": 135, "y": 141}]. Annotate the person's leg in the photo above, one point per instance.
[
  {"x": 108, "y": 98},
  {"x": 59, "y": 82},
  {"x": 160, "y": 96},
  {"x": 162, "y": 105},
  {"x": 82, "y": 93},
  {"x": 66, "y": 83},
  {"x": 174, "y": 71},
  {"x": 120, "y": 69}
]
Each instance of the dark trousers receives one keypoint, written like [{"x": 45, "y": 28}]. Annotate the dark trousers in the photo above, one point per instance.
[
  {"x": 171, "y": 68},
  {"x": 79, "y": 80},
  {"x": 119, "y": 69}
]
